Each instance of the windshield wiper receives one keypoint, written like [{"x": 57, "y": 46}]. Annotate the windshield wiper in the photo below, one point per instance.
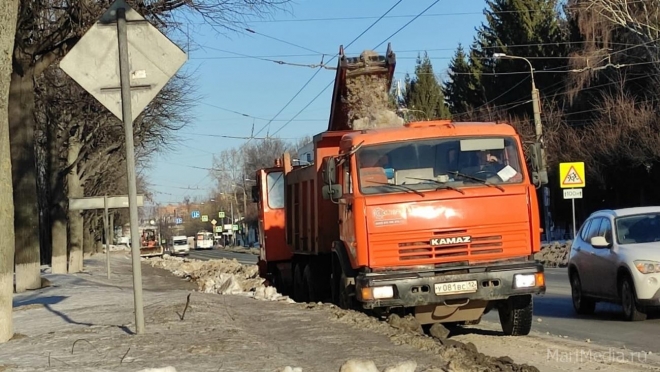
[
  {"x": 402, "y": 186},
  {"x": 478, "y": 179},
  {"x": 443, "y": 184}
]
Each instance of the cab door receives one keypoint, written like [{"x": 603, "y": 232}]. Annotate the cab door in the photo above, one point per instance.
[{"x": 346, "y": 205}]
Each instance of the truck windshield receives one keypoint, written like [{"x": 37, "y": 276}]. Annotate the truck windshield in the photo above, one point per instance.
[{"x": 439, "y": 163}]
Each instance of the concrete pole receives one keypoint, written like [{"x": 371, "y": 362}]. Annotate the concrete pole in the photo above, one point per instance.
[
  {"x": 127, "y": 115},
  {"x": 106, "y": 234},
  {"x": 112, "y": 228}
]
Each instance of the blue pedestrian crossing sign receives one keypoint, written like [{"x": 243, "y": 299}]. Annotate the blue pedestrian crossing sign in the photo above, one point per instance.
[{"x": 195, "y": 214}]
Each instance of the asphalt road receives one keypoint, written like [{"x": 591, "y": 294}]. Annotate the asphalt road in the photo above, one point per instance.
[
  {"x": 244, "y": 258},
  {"x": 554, "y": 314}
]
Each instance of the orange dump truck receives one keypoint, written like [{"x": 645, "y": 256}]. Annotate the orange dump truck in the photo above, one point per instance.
[{"x": 437, "y": 219}]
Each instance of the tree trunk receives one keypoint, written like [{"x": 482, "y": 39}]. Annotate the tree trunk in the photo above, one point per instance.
[
  {"x": 26, "y": 211},
  {"x": 8, "y": 12},
  {"x": 88, "y": 236},
  {"x": 57, "y": 208},
  {"x": 75, "y": 190}
]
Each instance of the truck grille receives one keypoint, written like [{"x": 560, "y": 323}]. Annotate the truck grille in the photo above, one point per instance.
[
  {"x": 424, "y": 250},
  {"x": 415, "y": 248}
]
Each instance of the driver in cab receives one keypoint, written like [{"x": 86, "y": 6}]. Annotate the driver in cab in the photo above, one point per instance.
[
  {"x": 489, "y": 161},
  {"x": 489, "y": 164}
]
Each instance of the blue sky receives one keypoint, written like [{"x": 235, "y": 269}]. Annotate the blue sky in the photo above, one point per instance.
[{"x": 261, "y": 89}]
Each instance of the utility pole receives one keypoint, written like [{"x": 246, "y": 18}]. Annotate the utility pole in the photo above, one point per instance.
[
  {"x": 127, "y": 116},
  {"x": 538, "y": 128},
  {"x": 233, "y": 234}
]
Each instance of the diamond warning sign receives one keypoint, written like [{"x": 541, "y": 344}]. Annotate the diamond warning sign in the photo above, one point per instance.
[{"x": 571, "y": 175}]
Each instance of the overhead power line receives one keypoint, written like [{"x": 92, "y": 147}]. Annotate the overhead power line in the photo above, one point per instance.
[
  {"x": 248, "y": 115},
  {"x": 317, "y": 71},
  {"x": 374, "y": 48}
]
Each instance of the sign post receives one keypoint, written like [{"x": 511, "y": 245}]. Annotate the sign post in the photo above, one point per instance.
[
  {"x": 572, "y": 180},
  {"x": 106, "y": 235},
  {"x": 125, "y": 81},
  {"x": 104, "y": 202},
  {"x": 213, "y": 222}
]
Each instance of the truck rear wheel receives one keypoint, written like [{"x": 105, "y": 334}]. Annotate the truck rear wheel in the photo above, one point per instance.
[
  {"x": 279, "y": 283},
  {"x": 309, "y": 285},
  {"x": 299, "y": 294},
  {"x": 516, "y": 315}
]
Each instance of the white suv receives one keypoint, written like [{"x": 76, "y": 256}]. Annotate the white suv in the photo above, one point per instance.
[{"x": 615, "y": 257}]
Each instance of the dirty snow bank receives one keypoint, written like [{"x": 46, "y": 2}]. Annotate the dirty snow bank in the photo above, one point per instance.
[
  {"x": 554, "y": 254},
  {"x": 360, "y": 365},
  {"x": 221, "y": 276},
  {"x": 230, "y": 277},
  {"x": 407, "y": 331},
  {"x": 116, "y": 248},
  {"x": 254, "y": 251}
]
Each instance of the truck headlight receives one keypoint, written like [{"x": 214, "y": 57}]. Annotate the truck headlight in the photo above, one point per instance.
[
  {"x": 528, "y": 280},
  {"x": 647, "y": 267},
  {"x": 377, "y": 293}
]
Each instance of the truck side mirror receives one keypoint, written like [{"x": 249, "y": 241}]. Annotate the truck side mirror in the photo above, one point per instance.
[
  {"x": 539, "y": 176},
  {"x": 329, "y": 171},
  {"x": 332, "y": 191},
  {"x": 255, "y": 194}
]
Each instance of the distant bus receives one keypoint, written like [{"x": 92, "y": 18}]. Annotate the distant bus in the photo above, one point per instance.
[{"x": 204, "y": 240}]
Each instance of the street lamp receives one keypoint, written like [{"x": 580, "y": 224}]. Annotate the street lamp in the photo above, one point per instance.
[
  {"x": 535, "y": 95},
  {"x": 244, "y": 206},
  {"x": 543, "y": 175},
  {"x": 537, "y": 115}
]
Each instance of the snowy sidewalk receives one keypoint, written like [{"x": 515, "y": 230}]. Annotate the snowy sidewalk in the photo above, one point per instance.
[{"x": 84, "y": 322}]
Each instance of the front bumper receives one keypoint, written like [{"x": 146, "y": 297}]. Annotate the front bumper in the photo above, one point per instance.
[
  {"x": 410, "y": 289},
  {"x": 651, "y": 302}
]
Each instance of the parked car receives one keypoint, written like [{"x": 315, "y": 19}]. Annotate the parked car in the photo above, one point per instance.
[{"x": 615, "y": 257}]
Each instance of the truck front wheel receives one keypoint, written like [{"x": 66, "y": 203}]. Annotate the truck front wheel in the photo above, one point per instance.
[{"x": 516, "y": 315}]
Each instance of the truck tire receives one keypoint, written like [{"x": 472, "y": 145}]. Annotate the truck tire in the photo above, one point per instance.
[
  {"x": 309, "y": 284},
  {"x": 298, "y": 287},
  {"x": 516, "y": 315},
  {"x": 279, "y": 284}
]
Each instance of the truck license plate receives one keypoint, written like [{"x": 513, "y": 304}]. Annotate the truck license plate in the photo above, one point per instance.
[{"x": 456, "y": 287}]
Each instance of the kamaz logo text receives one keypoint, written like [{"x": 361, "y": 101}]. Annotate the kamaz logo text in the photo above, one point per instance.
[{"x": 448, "y": 241}]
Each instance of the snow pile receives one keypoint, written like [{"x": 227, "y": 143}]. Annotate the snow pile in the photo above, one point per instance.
[
  {"x": 358, "y": 365},
  {"x": 407, "y": 331},
  {"x": 220, "y": 276},
  {"x": 254, "y": 251},
  {"x": 554, "y": 254},
  {"x": 166, "y": 369},
  {"x": 368, "y": 101},
  {"x": 116, "y": 248}
]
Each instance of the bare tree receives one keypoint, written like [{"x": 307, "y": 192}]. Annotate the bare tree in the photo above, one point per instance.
[
  {"x": 85, "y": 144},
  {"x": 46, "y": 29},
  {"x": 8, "y": 12}
]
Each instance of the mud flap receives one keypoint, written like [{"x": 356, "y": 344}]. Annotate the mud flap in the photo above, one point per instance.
[{"x": 449, "y": 312}]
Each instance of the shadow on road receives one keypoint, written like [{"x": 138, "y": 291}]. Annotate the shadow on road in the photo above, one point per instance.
[
  {"x": 34, "y": 300},
  {"x": 472, "y": 330},
  {"x": 550, "y": 306}
]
